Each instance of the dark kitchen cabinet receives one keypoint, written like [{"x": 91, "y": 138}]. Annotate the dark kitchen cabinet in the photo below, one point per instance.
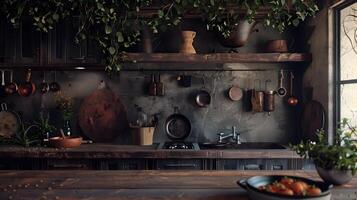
[
  {"x": 124, "y": 164},
  {"x": 278, "y": 164},
  {"x": 21, "y": 164},
  {"x": 57, "y": 44},
  {"x": 28, "y": 43},
  {"x": 241, "y": 164},
  {"x": 7, "y": 40},
  {"x": 180, "y": 164},
  {"x": 25, "y": 45},
  {"x": 70, "y": 164},
  {"x": 84, "y": 52},
  {"x": 63, "y": 48}
]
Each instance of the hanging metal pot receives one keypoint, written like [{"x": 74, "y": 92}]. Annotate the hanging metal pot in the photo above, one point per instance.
[
  {"x": 11, "y": 88},
  {"x": 177, "y": 126},
  {"x": 28, "y": 87}
]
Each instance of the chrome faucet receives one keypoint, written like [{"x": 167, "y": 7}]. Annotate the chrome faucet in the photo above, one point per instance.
[{"x": 234, "y": 135}]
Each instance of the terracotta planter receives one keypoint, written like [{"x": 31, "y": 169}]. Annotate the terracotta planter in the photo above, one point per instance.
[
  {"x": 187, "y": 42},
  {"x": 334, "y": 176}
]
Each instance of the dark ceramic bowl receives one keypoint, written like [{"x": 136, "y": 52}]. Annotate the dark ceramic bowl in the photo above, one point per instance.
[{"x": 252, "y": 186}]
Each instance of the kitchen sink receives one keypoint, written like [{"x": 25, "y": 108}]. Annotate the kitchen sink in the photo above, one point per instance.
[{"x": 245, "y": 145}]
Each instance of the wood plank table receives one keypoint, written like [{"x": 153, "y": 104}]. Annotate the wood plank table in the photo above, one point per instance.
[{"x": 110, "y": 185}]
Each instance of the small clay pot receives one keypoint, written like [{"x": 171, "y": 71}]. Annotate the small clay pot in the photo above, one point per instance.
[
  {"x": 187, "y": 42},
  {"x": 277, "y": 46}
]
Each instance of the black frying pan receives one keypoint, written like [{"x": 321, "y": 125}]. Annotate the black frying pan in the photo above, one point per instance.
[
  {"x": 203, "y": 98},
  {"x": 177, "y": 126}
]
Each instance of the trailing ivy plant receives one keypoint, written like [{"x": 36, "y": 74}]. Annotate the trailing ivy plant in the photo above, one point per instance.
[{"x": 115, "y": 25}]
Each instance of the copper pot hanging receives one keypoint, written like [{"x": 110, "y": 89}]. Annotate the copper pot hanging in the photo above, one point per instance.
[{"x": 28, "y": 87}]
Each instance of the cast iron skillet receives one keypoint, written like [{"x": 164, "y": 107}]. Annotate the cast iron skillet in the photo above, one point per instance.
[
  {"x": 177, "y": 126},
  {"x": 252, "y": 184},
  {"x": 203, "y": 98}
]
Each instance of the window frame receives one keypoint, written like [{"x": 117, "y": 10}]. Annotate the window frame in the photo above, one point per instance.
[{"x": 337, "y": 60}]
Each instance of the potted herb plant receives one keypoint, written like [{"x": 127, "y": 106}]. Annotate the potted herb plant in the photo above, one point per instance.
[
  {"x": 336, "y": 163},
  {"x": 65, "y": 104},
  {"x": 45, "y": 127}
]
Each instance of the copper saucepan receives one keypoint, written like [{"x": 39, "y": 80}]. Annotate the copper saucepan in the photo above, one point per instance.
[
  {"x": 11, "y": 88},
  {"x": 28, "y": 87}
]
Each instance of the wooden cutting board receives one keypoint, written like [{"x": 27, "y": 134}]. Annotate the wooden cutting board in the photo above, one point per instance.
[
  {"x": 312, "y": 119},
  {"x": 102, "y": 116}
]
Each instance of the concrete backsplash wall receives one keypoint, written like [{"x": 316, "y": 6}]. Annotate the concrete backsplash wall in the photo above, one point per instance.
[{"x": 220, "y": 116}]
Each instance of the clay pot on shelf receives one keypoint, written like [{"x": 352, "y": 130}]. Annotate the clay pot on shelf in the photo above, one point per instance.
[
  {"x": 277, "y": 46},
  {"x": 187, "y": 42},
  {"x": 239, "y": 36}
]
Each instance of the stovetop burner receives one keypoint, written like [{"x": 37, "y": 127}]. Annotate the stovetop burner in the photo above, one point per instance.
[{"x": 179, "y": 145}]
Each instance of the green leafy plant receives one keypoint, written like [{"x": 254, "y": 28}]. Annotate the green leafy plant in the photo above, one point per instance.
[
  {"x": 44, "y": 125},
  {"x": 342, "y": 154},
  {"x": 24, "y": 136},
  {"x": 65, "y": 104},
  {"x": 115, "y": 25}
]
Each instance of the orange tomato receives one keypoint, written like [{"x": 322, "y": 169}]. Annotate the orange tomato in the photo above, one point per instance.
[
  {"x": 313, "y": 191},
  {"x": 279, "y": 185},
  {"x": 298, "y": 188},
  {"x": 287, "y": 181},
  {"x": 304, "y": 184},
  {"x": 286, "y": 191},
  {"x": 272, "y": 188}
]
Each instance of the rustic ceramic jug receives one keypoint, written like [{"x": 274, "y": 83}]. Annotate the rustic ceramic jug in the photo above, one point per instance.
[{"x": 187, "y": 40}]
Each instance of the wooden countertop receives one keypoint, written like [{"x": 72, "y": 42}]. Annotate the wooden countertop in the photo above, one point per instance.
[
  {"x": 106, "y": 151},
  {"x": 140, "y": 184}
]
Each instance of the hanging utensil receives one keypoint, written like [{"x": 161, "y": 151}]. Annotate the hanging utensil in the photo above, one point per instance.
[
  {"x": 54, "y": 86},
  {"x": 27, "y": 88},
  {"x": 281, "y": 90},
  {"x": 2, "y": 88},
  {"x": 235, "y": 93},
  {"x": 102, "y": 116},
  {"x": 269, "y": 99},
  {"x": 44, "y": 87},
  {"x": 152, "y": 86},
  {"x": 257, "y": 98},
  {"x": 160, "y": 87},
  {"x": 177, "y": 126},
  {"x": 11, "y": 88},
  {"x": 203, "y": 97},
  {"x": 9, "y": 122},
  {"x": 292, "y": 100}
]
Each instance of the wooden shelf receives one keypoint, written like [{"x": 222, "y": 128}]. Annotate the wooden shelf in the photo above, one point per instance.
[
  {"x": 176, "y": 59},
  {"x": 217, "y": 58}
]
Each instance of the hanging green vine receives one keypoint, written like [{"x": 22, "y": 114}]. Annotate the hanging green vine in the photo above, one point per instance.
[{"x": 115, "y": 25}]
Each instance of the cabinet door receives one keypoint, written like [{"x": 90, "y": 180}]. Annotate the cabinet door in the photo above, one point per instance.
[
  {"x": 179, "y": 164},
  {"x": 228, "y": 164},
  {"x": 277, "y": 164},
  {"x": 70, "y": 164},
  {"x": 123, "y": 164},
  {"x": 57, "y": 44},
  {"x": 84, "y": 52},
  {"x": 28, "y": 45},
  {"x": 7, "y": 40},
  {"x": 252, "y": 164}
]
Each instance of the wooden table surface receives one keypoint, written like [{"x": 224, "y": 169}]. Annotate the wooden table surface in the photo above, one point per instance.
[
  {"x": 73, "y": 185},
  {"x": 107, "y": 151}
]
